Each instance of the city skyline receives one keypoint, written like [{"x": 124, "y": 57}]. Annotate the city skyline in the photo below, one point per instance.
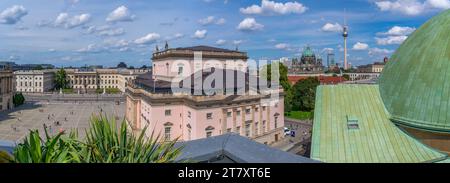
[{"x": 79, "y": 32}]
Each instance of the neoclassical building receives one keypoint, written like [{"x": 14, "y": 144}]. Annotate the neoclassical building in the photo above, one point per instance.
[
  {"x": 184, "y": 109},
  {"x": 34, "y": 81},
  {"x": 6, "y": 89},
  {"x": 88, "y": 80}
]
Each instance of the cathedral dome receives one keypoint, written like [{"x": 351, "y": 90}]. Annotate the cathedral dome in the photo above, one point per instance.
[
  {"x": 307, "y": 52},
  {"x": 415, "y": 83}
]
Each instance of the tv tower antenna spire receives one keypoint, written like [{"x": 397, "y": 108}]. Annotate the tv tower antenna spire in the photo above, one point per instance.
[{"x": 345, "y": 35}]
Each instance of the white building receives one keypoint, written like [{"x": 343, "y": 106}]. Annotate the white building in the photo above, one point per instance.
[
  {"x": 94, "y": 79},
  {"x": 34, "y": 81}
]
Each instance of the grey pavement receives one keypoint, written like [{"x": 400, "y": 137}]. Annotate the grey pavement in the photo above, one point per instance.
[{"x": 15, "y": 124}]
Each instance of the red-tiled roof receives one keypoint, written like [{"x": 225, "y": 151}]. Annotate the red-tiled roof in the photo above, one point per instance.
[{"x": 324, "y": 80}]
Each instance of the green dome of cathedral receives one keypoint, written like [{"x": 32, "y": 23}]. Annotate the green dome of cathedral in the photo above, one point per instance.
[
  {"x": 415, "y": 84},
  {"x": 307, "y": 52}
]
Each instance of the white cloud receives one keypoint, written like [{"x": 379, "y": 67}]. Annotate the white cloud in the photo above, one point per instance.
[
  {"x": 282, "y": 46},
  {"x": 200, "y": 34},
  {"x": 220, "y": 21},
  {"x": 13, "y": 14},
  {"x": 398, "y": 31},
  {"x": 91, "y": 48},
  {"x": 71, "y": 58},
  {"x": 340, "y": 48},
  {"x": 441, "y": 4},
  {"x": 211, "y": 20},
  {"x": 238, "y": 42},
  {"x": 329, "y": 27},
  {"x": 411, "y": 7},
  {"x": 221, "y": 42},
  {"x": 274, "y": 8},
  {"x": 178, "y": 35},
  {"x": 66, "y": 21},
  {"x": 378, "y": 51},
  {"x": 360, "y": 46},
  {"x": 390, "y": 40},
  {"x": 105, "y": 30},
  {"x": 249, "y": 24},
  {"x": 120, "y": 14},
  {"x": 207, "y": 20},
  {"x": 148, "y": 39},
  {"x": 327, "y": 50}
]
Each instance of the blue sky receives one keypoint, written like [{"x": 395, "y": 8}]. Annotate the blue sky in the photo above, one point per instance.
[{"x": 92, "y": 32}]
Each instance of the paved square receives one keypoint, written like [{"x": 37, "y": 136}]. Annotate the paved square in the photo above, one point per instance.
[{"x": 15, "y": 124}]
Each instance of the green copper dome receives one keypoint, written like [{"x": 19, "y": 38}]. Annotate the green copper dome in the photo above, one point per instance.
[
  {"x": 307, "y": 52},
  {"x": 415, "y": 84}
]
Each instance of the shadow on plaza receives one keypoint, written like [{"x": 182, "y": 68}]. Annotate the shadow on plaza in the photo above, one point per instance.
[{"x": 8, "y": 114}]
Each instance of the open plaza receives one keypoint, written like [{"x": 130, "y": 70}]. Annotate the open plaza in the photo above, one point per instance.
[{"x": 57, "y": 116}]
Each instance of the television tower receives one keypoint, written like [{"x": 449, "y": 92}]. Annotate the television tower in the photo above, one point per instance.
[{"x": 345, "y": 34}]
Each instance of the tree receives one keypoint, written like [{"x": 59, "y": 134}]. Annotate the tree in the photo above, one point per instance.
[
  {"x": 122, "y": 65},
  {"x": 104, "y": 143},
  {"x": 266, "y": 72},
  {"x": 39, "y": 67},
  {"x": 304, "y": 93},
  {"x": 130, "y": 67},
  {"x": 144, "y": 67},
  {"x": 61, "y": 79},
  {"x": 18, "y": 99},
  {"x": 346, "y": 77}
]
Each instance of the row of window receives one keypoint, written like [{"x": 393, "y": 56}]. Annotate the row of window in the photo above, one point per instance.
[
  {"x": 168, "y": 131},
  {"x": 168, "y": 112},
  {"x": 29, "y": 90},
  {"x": 29, "y": 77},
  {"x": 39, "y": 84}
]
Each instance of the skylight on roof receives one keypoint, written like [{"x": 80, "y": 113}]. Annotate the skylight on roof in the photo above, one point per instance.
[{"x": 352, "y": 123}]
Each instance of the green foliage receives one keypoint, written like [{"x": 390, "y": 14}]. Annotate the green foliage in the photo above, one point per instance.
[
  {"x": 107, "y": 144},
  {"x": 55, "y": 149},
  {"x": 108, "y": 90},
  {"x": 18, "y": 99},
  {"x": 68, "y": 90},
  {"x": 39, "y": 67},
  {"x": 304, "y": 93},
  {"x": 104, "y": 143},
  {"x": 266, "y": 72},
  {"x": 300, "y": 115},
  {"x": 61, "y": 79},
  {"x": 346, "y": 77}
]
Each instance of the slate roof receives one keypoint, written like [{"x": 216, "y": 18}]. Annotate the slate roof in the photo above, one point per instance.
[
  {"x": 241, "y": 81},
  {"x": 376, "y": 140},
  {"x": 206, "y": 48},
  {"x": 233, "y": 148},
  {"x": 415, "y": 84},
  {"x": 7, "y": 146}
]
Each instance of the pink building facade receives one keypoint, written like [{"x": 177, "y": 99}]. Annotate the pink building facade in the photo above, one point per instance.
[{"x": 187, "y": 117}]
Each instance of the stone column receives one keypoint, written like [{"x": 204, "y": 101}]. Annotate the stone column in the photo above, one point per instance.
[
  {"x": 252, "y": 125},
  {"x": 268, "y": 118},
  {"x": 243, "y": 120},
  {"x": 224, "y": 121},
  {"x": 234, "y": 121},
  {"x": 260, "y": 120}
]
